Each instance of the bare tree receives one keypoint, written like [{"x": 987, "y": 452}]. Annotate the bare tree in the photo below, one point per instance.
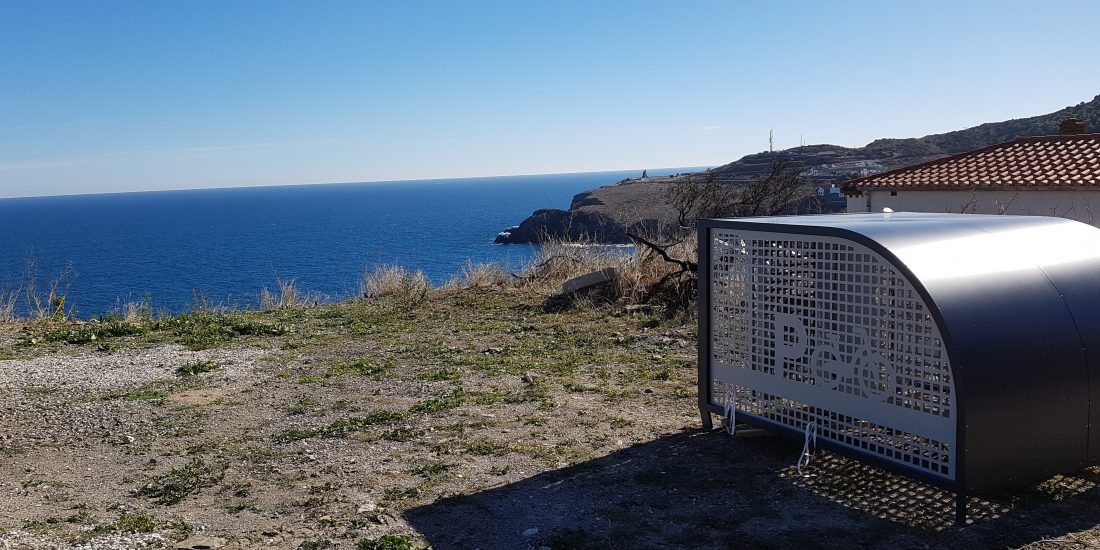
[
  {"x": 780, "y": 191},
  {"x": 694, "y": 197}
]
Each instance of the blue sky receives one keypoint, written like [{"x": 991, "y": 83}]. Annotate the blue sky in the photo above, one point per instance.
[{"x": 122, "y": 96}]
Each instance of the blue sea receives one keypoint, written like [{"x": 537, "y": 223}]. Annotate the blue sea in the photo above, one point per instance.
[{"x": 228, "y": 244}]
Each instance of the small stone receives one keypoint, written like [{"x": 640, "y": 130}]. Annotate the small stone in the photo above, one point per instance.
[
  {"x": 200, "y": 542},
  {"x": 530, "y": 532},
  {"x": 126, "y": 439},
  {"x": 529, "y": 378},
  {"x": 368, "y": 506}
]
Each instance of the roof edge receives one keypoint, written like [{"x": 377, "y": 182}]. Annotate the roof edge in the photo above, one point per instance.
[{"x": 852, "y": 188}]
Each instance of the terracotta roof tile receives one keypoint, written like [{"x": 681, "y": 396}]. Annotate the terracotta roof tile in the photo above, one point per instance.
[{"x": 1041, "y": 161}]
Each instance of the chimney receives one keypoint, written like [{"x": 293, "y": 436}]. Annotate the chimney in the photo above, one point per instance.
[{"x": 1071, "y": 127}]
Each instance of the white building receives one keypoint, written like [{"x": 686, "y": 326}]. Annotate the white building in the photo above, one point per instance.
[{"x": 1042, "y": 176}]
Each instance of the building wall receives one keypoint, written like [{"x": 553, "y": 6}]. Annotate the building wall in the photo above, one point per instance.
[{"x": 1082, "y": 206}]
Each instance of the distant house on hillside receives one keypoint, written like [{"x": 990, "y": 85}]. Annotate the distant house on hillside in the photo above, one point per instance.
[{"x": 1056, "y": 175}]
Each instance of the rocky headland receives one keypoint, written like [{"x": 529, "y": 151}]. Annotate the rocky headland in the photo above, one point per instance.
[{"x": 606, "y": 214}]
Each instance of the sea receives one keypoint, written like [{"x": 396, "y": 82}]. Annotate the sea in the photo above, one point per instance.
[{"x": 174, "y": 249}]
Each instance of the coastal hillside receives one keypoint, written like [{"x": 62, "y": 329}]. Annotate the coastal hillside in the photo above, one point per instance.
[{"x": 607, "y": 213}]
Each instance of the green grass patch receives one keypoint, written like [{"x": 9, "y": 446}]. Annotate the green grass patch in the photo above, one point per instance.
[
  {"x": 204, "y": 330},
  {"x": 136, "y": 523},
  {"x": 196, "y": 368},
  {"x": 388, "y": 542},
  {"x": 175, "y": 485},
  {"x": 402, "y": 434},
  {"x": 358, "y": 367},
  {"x": 340, "y": 428},
  {"x": 86, "y": 333},
  {"x": 240, "y": 506},
  {"x": 303, "y": 405},
  {"x": 440, "y": 404},
  {"x": 401, "y": 493},
  {"x": 441, "y": 375},
  {"x": 619, "y": 422},
  {"x": 433, "y": 471},
  {"x": 146, "y": 394},
  {"x": 486, "y": 448}
]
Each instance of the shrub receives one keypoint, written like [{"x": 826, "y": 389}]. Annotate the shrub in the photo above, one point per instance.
[
  {"x": 642, "y": 274},
  {"x": 647, "y": 277},
  {"x": 556, "y": 261},
  {"x": 395, "y": 281}
]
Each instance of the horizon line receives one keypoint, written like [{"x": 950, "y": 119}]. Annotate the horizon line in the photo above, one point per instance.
[{"x": 365, "y": 182}]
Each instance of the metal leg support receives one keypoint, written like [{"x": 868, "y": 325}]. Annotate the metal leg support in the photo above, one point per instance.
[
  {"x": 704, "y": 414},
  {"x": 960, "y": 509}
]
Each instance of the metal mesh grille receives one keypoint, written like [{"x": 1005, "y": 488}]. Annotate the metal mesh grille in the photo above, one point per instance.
[{"x": 818, "y": 328}]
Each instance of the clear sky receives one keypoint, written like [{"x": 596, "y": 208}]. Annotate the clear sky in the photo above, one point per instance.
[{"x": 140, "y": 95}]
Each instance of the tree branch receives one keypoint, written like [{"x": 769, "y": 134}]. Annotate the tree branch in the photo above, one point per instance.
[{"x": 685, "y": 265}]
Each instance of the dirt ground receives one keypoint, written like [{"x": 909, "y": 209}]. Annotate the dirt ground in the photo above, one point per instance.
[{"x": 473, "y": 419}]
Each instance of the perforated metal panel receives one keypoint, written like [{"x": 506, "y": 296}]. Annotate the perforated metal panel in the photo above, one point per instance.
[{"x": 816, "y": 328}]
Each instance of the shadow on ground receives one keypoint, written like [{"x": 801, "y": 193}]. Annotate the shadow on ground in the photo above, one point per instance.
[{"x": 706, "y": 490}]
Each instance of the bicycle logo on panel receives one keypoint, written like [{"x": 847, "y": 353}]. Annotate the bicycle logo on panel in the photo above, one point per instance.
[{"x": 843, "y": 361}]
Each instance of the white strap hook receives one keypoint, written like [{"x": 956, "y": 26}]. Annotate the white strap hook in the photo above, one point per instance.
[
  {"x": 730, "y": 412},
  {"x": 809, "y": 445}
]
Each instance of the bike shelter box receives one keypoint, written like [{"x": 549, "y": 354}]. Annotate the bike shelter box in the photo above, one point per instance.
[{"x": 957, "y": 349}]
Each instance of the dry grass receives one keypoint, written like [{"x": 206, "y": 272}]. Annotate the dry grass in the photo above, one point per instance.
[
  {"x": 51, "y": 305},
  {"x": 288, "y": 297},
  {"x": 133, "y": 312},
  {"x": 38, "y": 305},
  {"x": 481, "y": 276},
  {"x": 642, "y": 275},
  {"x": 394, "y": 281},
  {"x": 558, "y": 261},
  {"x": 7, "y": 304},
  {"x": 646, "y": 276}
]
